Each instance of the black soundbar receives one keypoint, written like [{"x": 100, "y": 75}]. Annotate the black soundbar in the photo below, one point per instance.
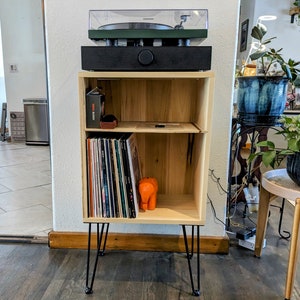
[{"x": 169, "y": 58}]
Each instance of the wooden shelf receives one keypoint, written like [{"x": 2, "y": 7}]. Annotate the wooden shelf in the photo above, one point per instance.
[
  {"x": 171, "y": 209},
  {"x": 150, "y": 127},
  {"x": 176, "y": 152}
]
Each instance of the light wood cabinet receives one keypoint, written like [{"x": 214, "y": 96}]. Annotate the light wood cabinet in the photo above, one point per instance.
[{"x": 177, "y": 154}]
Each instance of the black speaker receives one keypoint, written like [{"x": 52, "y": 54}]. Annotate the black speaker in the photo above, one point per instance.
[{"x": 169, "y": 58}]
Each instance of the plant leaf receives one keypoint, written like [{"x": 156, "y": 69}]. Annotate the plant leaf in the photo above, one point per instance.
[
  {"x": 268, "y": 158},
  {"x": 258, "y": 31},
  {"x": 257, "y": 55},
  {"x": 287, "y": 71},
  {"x": 269, "y": 144},
  {"x": 253, "y": 155},
  {"x": 286, "y": 152},
  {"x": 267, "y": 41},
  {"x": 293, "y": 144}
]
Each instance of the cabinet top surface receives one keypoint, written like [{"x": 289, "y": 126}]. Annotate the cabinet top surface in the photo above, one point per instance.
[{"x": 130, "y": 74}]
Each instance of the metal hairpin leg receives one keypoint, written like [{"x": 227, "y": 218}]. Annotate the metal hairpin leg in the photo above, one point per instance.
[
  {"x": 189, "y": 254},
  {"x": 281, "y": 209},
  {"x": 100, "y": 252}
]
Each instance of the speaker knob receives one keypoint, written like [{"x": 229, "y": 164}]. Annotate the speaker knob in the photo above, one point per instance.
[{"x": 145, "y": 57}]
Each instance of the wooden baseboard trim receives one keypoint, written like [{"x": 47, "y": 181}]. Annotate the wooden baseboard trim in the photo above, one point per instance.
[{"x": 139, "y": 242}]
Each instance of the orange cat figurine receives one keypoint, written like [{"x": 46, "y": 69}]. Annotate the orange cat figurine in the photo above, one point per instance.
[{"x": 148, "y": 188}]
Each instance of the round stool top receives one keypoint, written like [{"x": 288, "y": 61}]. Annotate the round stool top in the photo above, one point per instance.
[{"x": 280, "y": 184}]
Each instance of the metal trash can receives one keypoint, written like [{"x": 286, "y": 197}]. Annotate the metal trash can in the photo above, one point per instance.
[{"x": 36, "y": 116}]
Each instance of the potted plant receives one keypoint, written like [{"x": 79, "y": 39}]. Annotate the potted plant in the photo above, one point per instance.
[
  {"x": 273, "y": 156},
  {"x": 262, "y": 98}
]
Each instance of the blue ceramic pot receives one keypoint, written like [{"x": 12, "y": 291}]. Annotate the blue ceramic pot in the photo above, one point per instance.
[
  {"x": 293, "y": 167},
  {"x": 261, "y": 99}
]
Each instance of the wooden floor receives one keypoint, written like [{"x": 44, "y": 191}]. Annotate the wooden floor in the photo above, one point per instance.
[{"x": 33, "y": 271}]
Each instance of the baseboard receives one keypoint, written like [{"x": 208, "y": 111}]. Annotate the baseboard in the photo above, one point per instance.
[{"x": 139, "y": 242}]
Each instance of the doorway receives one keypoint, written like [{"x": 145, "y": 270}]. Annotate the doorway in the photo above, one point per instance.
[{"x": 25, "y": 174}]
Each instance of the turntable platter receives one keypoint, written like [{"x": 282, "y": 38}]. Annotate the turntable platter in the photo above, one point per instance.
[{"x": 135, "y": 25}]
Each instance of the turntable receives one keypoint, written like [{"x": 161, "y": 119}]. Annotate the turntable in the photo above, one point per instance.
[{"x": 147, "y": 40}]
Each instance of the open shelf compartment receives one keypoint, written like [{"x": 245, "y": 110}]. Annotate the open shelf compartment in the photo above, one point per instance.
[{"x": 176, "y": 154}]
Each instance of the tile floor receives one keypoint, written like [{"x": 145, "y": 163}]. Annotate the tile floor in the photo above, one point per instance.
[{"x": 25, "y": 190}]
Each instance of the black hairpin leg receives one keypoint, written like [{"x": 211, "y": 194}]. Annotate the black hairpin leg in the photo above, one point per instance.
[
  {"x": 287, "y": 234},
  {"x": 281, "y": 209},
  {"x": 189, "y": 254},
  {"x": 100, "y": 252}
]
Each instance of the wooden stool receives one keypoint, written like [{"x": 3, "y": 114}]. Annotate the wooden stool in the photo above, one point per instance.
[{"x": 277, "y": 183}]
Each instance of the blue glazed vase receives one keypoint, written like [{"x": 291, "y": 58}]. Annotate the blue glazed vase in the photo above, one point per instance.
[
  {"x": 261, "y": 99},
  {"x": 293, "y": 167}
]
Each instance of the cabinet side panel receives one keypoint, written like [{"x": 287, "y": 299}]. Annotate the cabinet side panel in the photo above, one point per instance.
[
  {"x": 201, "y": 173},
  {"x": 203, "y": 109},
  {"x": 204, "y": 121},
  {"x": 82, "y": 86}
]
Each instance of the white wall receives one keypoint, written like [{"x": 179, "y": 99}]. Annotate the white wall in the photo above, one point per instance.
[
  {"x": 2, "y": 82},
  {"x": 67, "y": 28},
  {"x": 23, "y": 45},
  {"x": 246, "y": 12},
  {"x": 286, "y": 33}
]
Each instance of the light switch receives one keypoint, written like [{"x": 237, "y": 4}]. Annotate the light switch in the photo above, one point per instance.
[{"x": 13, "y": 68}]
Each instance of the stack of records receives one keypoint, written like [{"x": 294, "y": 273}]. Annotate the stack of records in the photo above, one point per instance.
[{"x": 113, "y": 175}]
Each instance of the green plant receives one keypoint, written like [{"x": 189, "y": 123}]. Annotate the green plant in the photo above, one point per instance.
[
  {"x": 268, "y": 58},
  {"x": 272, "y": 156}
]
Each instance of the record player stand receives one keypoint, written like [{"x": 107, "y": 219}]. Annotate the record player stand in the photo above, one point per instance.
[{"x": 171, "y": 115}]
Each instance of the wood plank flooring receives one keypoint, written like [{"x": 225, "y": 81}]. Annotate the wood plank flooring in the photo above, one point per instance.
[{"x": 34, "y": 271}]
